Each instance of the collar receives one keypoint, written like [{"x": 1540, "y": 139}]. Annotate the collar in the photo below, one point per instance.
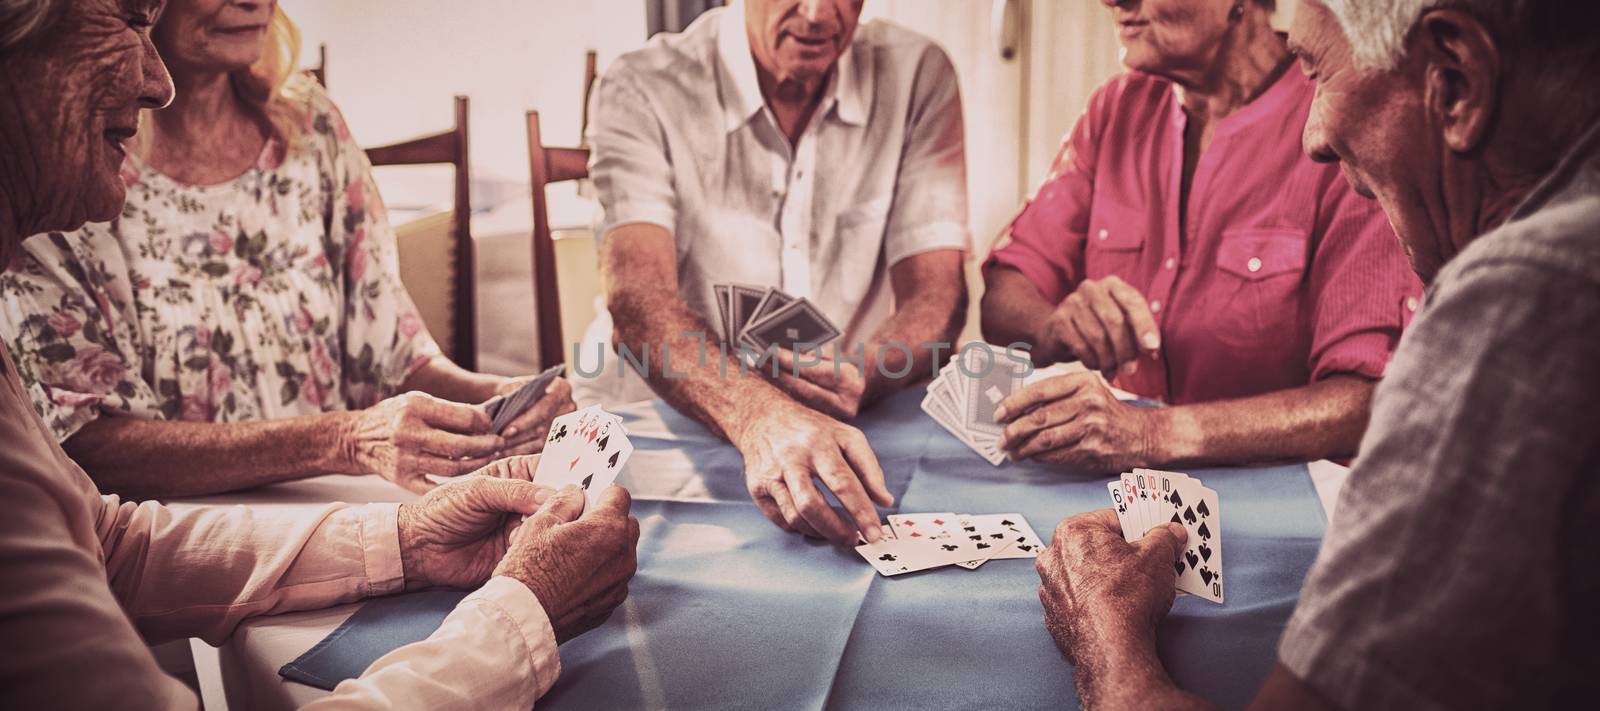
[
  {"x": 844, "y": 94},
  {"x": 1584, "y": 152}
]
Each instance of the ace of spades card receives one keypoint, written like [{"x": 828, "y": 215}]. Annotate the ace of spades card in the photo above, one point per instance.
[
  {"x": 586, "y": 448},
  {"x": 1200, "y": 565}
]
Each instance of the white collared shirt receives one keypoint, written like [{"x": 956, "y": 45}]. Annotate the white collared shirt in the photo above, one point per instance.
[{"x": 682, "y": 138}]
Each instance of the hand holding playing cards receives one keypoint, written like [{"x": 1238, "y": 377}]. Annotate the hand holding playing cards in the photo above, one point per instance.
[
  {"x": 456, "y": 534},
  {"x": 1075, "y": 420},
  {"x": 1105, "y": 323},
  {"x": 1102, "y": 594},
  {"x": 526, "y": 432},
  {"x": 834, "y": 388},
  {"x": 578, "y": 567},
  {"x": 789, "y": 447},
  {"x": 410, "y": 436}
]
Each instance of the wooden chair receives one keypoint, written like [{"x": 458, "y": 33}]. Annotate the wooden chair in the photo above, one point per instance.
[
  {"x": 320, "y": 72},
  {"x": 548, "y": 165},
  {"x": 450, "y": 147}
]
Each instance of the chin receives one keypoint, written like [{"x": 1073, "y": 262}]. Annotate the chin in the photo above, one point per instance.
[{"x": 102, "y": 203}]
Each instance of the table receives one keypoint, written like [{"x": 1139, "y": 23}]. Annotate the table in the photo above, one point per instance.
[{"x": 729, "y": 612}]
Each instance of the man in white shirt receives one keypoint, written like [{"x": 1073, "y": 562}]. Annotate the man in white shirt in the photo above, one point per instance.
[{"x": 778, "y": 144}]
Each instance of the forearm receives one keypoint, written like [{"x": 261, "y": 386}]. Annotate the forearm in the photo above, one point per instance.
[
  {"x": 1013, "y": 311},
  {"x": 716, "y": 389},
  {"x": 140, "y": 458},
  {"x": 1127, "y": 674},
  {"x": 443, "y": 379},
  {"x": 496, "y": 650},
  {"x": 198, "y": 571},
  {"x": 928, "y": 326},
  {"x": 1319, "y": 421}
]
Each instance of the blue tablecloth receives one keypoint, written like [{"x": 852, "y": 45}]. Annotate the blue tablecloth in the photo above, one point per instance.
[{"x": 727, "y": 611}]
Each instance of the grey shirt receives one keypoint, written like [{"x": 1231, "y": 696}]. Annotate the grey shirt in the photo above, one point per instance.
[{"x": 1462, "y": 569}]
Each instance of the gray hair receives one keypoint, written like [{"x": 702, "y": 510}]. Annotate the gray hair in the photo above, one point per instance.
[
  {"x": 1549, "y": 32},
  {"x": 20, "y": 20}
]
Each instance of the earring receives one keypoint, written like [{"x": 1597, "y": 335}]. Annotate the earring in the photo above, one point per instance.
[{"x": 1237, "y": 12}]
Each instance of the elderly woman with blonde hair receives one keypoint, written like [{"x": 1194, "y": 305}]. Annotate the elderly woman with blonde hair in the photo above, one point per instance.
[{"x": 243, "y": 322}]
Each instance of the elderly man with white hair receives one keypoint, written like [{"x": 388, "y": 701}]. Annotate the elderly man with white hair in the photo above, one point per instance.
[{"x": 1460, "y": 569}]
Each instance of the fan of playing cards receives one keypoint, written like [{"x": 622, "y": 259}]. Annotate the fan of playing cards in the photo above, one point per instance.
[
  {"x": 1145, "y": 498},
  {"x": 587, "y": 448},
  {"x": 965, "y": 405},
  {"x": 503, "y": 409},
  {"x": 913, "y": 542},
  {"x": 759, "y": 318}
]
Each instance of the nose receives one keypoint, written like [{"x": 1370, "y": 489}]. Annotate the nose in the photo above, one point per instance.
[
  {"x": 1314, "y": 139},
  {"x": 811, "y": 9},
  {"x": 155, "y": 84}
]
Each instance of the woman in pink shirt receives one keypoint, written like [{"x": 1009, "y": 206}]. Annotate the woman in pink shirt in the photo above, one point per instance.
[{"x": 1184, "y": 244}]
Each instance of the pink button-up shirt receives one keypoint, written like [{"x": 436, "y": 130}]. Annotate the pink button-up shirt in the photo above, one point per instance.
[{"x": 1280, "y": 276}]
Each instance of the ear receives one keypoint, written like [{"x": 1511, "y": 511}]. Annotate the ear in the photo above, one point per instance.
[{"x": 1461, "y": 75}]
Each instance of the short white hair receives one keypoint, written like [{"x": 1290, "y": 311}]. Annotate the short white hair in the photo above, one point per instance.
[
  {"x": 1377, "y": 29},
  {"x": 20, "y": 20}
]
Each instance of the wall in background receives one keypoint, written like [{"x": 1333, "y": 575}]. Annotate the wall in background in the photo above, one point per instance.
[{"x": 393, "y": 66}]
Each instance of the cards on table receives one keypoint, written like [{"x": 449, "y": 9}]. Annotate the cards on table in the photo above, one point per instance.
[
  {"x": 964, "y": 397},
  {"x": 587, "y": 448},
  {"x": 758, "y": 317},
  {"x": 503, "y": 409},
  {"x": 913, "y": 542},
  {"x": 1146, "y": 498}
]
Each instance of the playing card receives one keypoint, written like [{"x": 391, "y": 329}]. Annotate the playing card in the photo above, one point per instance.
[
  {"x": 928, "y": 526},
  {"x": 892, "y": 557},
  {"x": 505, "y": 409},
  {"x": 587, "y": 448},
  {"x": 1150, "y": 514},
  {"x": 1012, "y": 528},
  {"x": 1119, "y": 503},
  {"x": 940, "y": 404},
  {"x": 720, "y": 291},
  {"x": 1200, "y": 565},
  {"x": 742, "y": 301},
  {"x": 788, "y": 327},
  {"x": 770, "y": 302},
  {"x": 984, "y": 393},
  {"x": 981, "y": 539}
]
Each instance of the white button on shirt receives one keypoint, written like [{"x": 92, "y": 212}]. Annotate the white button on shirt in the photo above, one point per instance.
[{"x": 681, "y": 137}]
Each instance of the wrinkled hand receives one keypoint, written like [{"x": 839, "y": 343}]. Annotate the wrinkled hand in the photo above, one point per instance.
[
  {"x": 832, "y": 387},
  {"x": 578, "y": 567},
  {"x": 520, "y": 467},
  {"x": 409, "y": 436},
  {"x": 1074, "y": 420},
  {"x": 526, "y": 433},
  {"x": 1098, "y": 590},
  {"x": 454, "y": 536},
  {"x": 1104, "y": 323},
  {"x": 787, "y": 448}
]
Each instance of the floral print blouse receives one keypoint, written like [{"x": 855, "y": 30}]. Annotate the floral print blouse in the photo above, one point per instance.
[{"x": 272, "y": 295}]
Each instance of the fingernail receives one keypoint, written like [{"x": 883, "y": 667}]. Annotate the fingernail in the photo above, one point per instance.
[
  {"x": 510, "y": 432},
  {"x": 1152, "y": 341},
  {"x": 874, "y": 534},
  {"x": 1001, "y": 412},
  {"x": 1130, "y": 367}
]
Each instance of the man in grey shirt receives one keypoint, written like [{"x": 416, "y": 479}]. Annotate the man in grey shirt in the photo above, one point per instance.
[{"x": 1463, "y": 564}]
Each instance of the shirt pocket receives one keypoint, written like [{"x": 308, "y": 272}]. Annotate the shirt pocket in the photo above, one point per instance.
[
  {"x": 1115, "y": 240},
  {"x": 1260, "y": 282},
  {"x": 852, "y": 256}
]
